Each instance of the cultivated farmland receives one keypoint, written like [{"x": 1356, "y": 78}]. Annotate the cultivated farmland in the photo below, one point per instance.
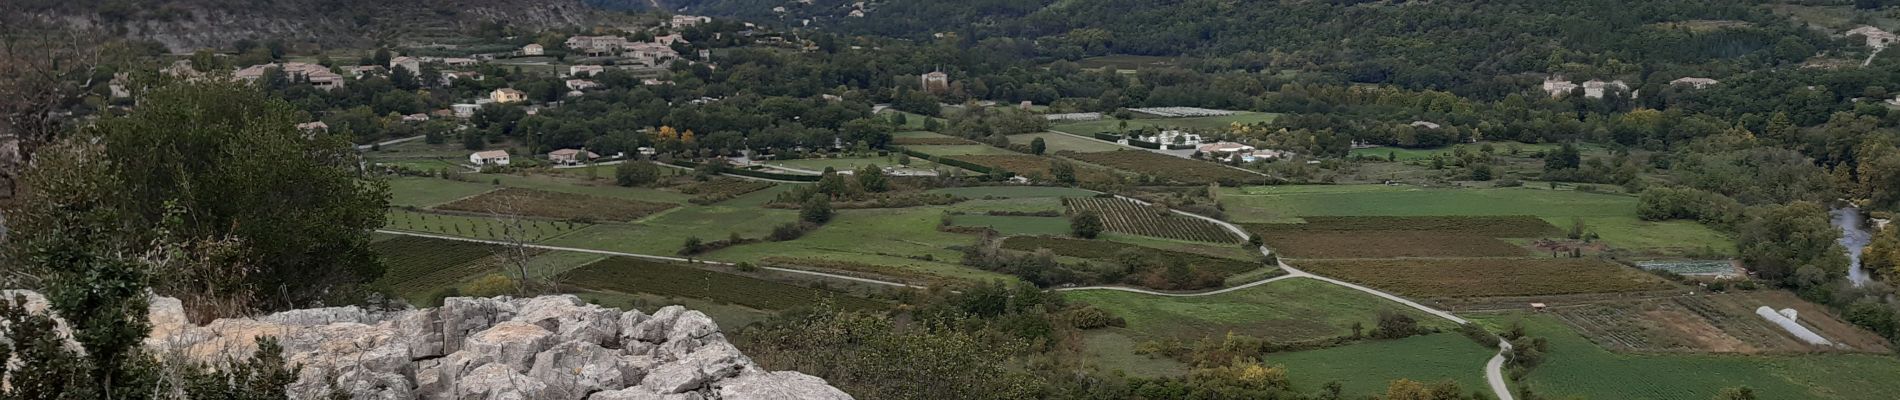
[
  {"x": 1722, "y": 323},
  {"x": 1283, "y": 311},
  {"x": 1387, "y": 244},
  {"x": 1576, "y": 367},
  {"x": 476, "y": 227},
  {"x": 1484, "y": 277},
  {"x": 1166, "y": 167},
  {"x": 1102, "y": 250},
  {"x": 417, "y": 265},
  {"x": 1129, "y": 217},
  {"x": 931, "y": 141},
  {"x": 1509, "y": 226},
  {"x": 632, "y": 275},
  {"x": 1028, "y": 165},
  {"x": 545, "y": 204}
]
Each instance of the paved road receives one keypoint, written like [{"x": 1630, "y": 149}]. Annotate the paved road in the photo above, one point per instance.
[
  {"x": 388, "y": 143},
  {"x": 1494, "y": 372}
]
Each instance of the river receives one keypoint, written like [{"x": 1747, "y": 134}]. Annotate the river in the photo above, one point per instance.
[{"x": 1854, "y": 237}]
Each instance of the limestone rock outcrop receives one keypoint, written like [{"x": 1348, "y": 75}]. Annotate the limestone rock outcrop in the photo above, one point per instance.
[{"x": 549, "y": 347}]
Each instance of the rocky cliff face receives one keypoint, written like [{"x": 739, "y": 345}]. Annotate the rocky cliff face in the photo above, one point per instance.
[{"x": 550, "y": 347}]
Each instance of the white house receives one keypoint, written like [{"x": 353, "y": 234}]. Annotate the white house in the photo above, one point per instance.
[
  {"x": 571, "y": 156},
  {"x": 1693, "y": 82},
  {"x": 683, "y": 21},
  {"x": 581, "y": 84},
  {"x": 412, "y": 64},
  {"x": 1172, "y": 137},
  {"x": 533, "y": 49},
  {"x": 465, "y": 110},
  {"x": 585, "y": 70},
  {"x": 495, "y": 157}
]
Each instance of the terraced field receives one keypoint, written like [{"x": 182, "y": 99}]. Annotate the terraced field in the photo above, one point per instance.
[{"x": 1129, "y": 217}]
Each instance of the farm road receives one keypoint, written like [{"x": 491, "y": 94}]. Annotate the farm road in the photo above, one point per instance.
[{"x": 1493, "y": 369}]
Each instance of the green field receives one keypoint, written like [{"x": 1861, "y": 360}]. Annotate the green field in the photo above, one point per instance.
[
  {"x": 604, "y": 188},
  {"x": 904, "y": 238},
  {"x": 978, "y": 192},
  {"x": 1366, "y": 368},
  {"x": 666, "y": 232},
  {"x": 1288, "y": 310},
  {"x": 1201, "y": 123},
  {"x": 1612, "y": 216},
  {"x": 1016, "y": 225},
  {"x": 1061, "y": 142},
  {"x": 630, "y": 275},
  {"x": 1124, "y": 61},
  {"x": 1575, "y": 366},
  {"x": 430, "y": 192}
]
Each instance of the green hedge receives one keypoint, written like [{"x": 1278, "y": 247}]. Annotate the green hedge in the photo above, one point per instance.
[
  {"x": 754, "y": 174},
  {"x": 1143, "y": 144},
  {"x": 1109, "y": 137},
  {"x": 947, "y": 161}
]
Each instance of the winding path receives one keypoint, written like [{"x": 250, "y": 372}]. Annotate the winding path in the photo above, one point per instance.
[{"x": 1493, "y": 369}]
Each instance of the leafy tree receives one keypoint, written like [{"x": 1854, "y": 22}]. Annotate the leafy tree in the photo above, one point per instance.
[
  {"x": 1086, "y": 224},
  {"x": 1037, "y": 146},
  {"x": 1565, "y": 157},
  {"x": 1736, "y": 393},
  {"x": 636, "y": 173},
  {"x": 871, "y": 179},
  {"x": 230, "y": 160},
  {"x": 1780, "y": 240},
  {"x": 816, "y": 210},
  {"x": 1064, "y": 172}
]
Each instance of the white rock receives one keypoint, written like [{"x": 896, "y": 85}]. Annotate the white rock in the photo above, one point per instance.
[
  {"x": 498, "y": 382},
  {"x": 784, "y": 385},
  {"x": 579, "y": 367},
  {"x": 511, "y": 343}
]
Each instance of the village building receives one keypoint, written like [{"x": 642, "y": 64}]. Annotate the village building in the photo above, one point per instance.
[
  {"x": 1595, "y": 89},
  {"x": 1693, "y": 82},
  {"x": 460, "y": 62},
  {"x": 315, "y": 126},
  {"x": 411, "y": 64},
  {"x": 652, "y": 81},
  {"x": 687, "y": 21},
  {"x": 508, "y": 95},
  {"x": 417, "y": 117},
  {"x": 1225, "y": 148},
  {"x": 491, "y": 157},
  {"x": 585, "y": 70},
  {"x": 465, "y": 110},
  {"x": 669, "y": 40},
  {"x": 1425, "y": 124},
  {"x": 1170, "y": 138},
  {"x": 449, "y": 78},
  {"x": 533, "y": 49},
  {"x": 180, "y": 69},
  {"x": 571, "y": 156},
  {"x": 317, "y": 75},
  {"x": 581, "y": 84},
  {"x": 596, "y": 46},
  {"x": 360, "y": 71},
  {"x": 935, "y": 81}
]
